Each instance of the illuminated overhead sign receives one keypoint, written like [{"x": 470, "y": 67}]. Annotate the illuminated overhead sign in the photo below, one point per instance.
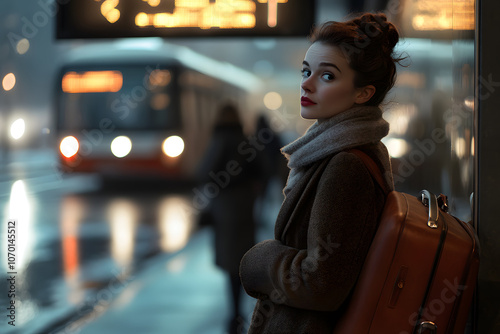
[
  {"x": 434, "y": 19},
  {"x": 457, "y": 15},
  {"x": 184, "y": 18}
]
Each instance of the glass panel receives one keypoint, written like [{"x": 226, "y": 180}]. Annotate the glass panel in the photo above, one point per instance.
[{"x": 431, "y": 107}]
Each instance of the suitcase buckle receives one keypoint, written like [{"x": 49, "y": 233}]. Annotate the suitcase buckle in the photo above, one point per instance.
[
  {"x": 443, "y": 202},
  {"x": 427, "y": 327}
]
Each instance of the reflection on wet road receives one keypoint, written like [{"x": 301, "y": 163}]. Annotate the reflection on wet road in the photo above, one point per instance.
[{"x": 73, "y": 239}]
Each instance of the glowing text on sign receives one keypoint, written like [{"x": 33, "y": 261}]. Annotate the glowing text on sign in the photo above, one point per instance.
[
  {"x": 204, "y": 14},
  {"x": 184, "y": 18},
  {"x": 227, "y": 14},
  {"x": 272, "y": 11}
]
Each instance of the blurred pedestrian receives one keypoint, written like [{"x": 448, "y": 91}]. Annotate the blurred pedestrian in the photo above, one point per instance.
[
  {"x": 273, "y": 162},
  {"x": 237, "y": 177},
  {"x": 274, "y": 174},
  {"x": 303, "y": 278}
]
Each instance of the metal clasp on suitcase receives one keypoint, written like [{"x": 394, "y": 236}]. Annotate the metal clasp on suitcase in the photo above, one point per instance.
[
  {"x": 427, "y": 327},
  {"x": 429, "y": 200}
]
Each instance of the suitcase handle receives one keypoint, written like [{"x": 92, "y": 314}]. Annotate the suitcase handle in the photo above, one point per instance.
[
  {"x": 427, "y": 327},
  {"x": 429, "y": 200}
]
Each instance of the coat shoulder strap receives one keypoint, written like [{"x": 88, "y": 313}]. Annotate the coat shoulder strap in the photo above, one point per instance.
[{"x": 372, "y": 168}]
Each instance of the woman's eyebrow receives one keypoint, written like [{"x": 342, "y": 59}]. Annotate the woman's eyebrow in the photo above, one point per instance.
[{"x": 324, "y": 64}]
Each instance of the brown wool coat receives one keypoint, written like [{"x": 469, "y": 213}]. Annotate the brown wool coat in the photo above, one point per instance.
[{"x": 323, "y": 231}]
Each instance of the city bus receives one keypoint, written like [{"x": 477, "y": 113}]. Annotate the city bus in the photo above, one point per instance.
[{"x": 143, "y": 107}]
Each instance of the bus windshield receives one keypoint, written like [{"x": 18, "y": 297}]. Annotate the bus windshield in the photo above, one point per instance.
[{"x": 130, "y": 97}]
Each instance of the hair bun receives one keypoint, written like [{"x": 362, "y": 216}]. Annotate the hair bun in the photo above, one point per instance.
[
  {"x": 378, "y": 29},
  {"x": 367, "y": 42}
]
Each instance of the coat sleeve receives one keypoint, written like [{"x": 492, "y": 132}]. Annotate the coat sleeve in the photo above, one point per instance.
[{"x": 341, "y": 228}]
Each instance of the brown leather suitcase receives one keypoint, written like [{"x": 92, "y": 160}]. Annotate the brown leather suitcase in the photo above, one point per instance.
[{"x": 420, "y": 273}]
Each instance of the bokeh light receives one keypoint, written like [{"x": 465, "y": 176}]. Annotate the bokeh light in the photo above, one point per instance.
[
  {"x": 273, "y": 100},
  {"x": 9, "y": 81},
  {"x": 22, "y": 46},
  {"x": 17, "y": 128}
]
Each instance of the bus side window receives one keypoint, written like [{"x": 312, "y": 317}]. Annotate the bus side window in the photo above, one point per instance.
[{"x": 190, "y": 116}]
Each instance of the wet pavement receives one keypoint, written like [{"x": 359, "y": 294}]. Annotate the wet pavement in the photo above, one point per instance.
[{"x": 130, "y": 258}]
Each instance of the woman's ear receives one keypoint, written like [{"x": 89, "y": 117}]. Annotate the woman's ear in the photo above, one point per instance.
[{"x": 364, "y": 94}]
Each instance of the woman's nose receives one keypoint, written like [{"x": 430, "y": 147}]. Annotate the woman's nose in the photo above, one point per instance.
[{"x": 307, "y": 85}]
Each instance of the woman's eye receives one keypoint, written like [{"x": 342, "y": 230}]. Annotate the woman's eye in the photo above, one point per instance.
[
  {"x": 305, "y": 73},
  {"x": 328, "y": 76}
]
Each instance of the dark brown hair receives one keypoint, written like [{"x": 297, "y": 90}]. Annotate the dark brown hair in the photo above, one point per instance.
[{"x": 367, "y": 43}]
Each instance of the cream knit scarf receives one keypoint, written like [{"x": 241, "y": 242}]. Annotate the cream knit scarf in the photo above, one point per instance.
[{"x": 357, "y": 126}]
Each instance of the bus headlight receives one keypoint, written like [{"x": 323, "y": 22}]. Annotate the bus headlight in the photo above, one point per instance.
[
  {"x": 173, "y": 146},
  {"x": 69, "y": 146},
  {"x": 121, "y": 146}
]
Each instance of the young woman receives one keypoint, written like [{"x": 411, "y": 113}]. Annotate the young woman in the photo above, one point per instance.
[{"x": 304, "y": 276}]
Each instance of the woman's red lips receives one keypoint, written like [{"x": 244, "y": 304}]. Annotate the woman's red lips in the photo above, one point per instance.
[{"x": 305, "y": 101}]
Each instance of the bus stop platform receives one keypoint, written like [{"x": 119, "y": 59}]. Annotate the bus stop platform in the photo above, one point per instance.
[{"x": 181, "y": 294}]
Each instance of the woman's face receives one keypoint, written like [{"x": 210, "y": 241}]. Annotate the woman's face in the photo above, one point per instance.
[{"x": 327, "y": 86}]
